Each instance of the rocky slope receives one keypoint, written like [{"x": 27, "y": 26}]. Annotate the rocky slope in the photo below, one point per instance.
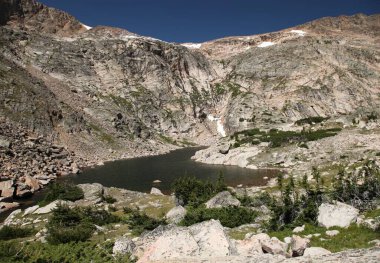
[{"x": 105, "y": 93}]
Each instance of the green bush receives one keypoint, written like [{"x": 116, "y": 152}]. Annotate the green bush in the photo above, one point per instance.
[
  {"x": 12, "y": 232},
  {"x": 255, "y": 201},
  {"x": 140, "y": 222},
  {"x": 62, "y": 191},
  {"x": 192, "y": 191},
  {"x": 76, "y": 224},
  {"x": 109, "y": 199},
  {"x": 14, "y": 252},
  {"x": 232, "y": 216}
]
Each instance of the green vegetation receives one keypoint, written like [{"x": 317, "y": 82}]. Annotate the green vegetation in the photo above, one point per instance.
[
  {"x": 13, "y": 232},
  {"x": 109, "y": 199},
  {"x": 76, "y": 224},
  {"x": 232, "y": 216},
  {"x": 192, "y": 191},
  {"x": 139, "y": 222},
  {"x": 298, "y": 205},
  {"x": 353, "y": 237},
  {"x": 28, "y": 252},
  {"x": 277, "y": 138},
  {"x": 62, "y": 191},
  {"x": 311, "y": 120}
]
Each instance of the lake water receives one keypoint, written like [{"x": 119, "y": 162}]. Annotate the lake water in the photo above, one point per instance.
[{"x": 139, "y": 173}]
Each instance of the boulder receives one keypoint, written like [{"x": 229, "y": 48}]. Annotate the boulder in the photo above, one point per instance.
[
  {"x": 4, "y": 142},
  {"x": 31, "y": 210},
  {"x": 176, "y": 214},
  {"x": 222, "y": 199},
  {"x": 332, "y": 233},
  {"x": 155, "y": 191},
  {"x": 7, "y": 189},
  {"x": 11, "y": 217},
  {"x": 32, "y": 183},
  {"x": 339, "y": 214},
  {"x": 248, "y": 246},
  {"x": 315, "y": 251},
  {"x": 50, "y": 207},
  {"x": 212, "y": 239},
  {"x": 299, "y": 229},
  {"x": 92, "y": 192},
  {"x": 224, "y": 148},
  {"x": 274, "y": 246},
  {"x": 372, "y": 223},
  {"x": 4, "y": 206},
  {"x": 299, "y": 245},
  {"x": 177, "y": 243},
  {"x": 123, "y": 246}
]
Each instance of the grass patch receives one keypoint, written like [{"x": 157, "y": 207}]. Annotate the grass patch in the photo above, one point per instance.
[
  {"x": 13, "y": 232},
  {"x": 140, "y": 222},
  {"x": 14, "y": 252}
]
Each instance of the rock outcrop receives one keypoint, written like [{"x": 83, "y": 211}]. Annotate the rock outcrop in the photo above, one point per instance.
[{"x": 222, "y": 199}]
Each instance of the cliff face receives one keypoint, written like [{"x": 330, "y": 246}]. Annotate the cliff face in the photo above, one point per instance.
[{"x": 107, "y": 88}]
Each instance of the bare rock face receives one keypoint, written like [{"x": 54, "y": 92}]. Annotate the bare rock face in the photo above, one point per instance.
[
  {"x": 222, "y": 199},
  {"x": 339, "y": 214},
  {"x": 176, "y": 214}
]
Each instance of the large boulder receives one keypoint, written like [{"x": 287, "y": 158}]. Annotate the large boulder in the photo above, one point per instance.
[
  {"x": 298, "y": 245},
  {"x": 274, "y": 246},
  {"x": 93, "y": 193},
  {"x": 212, "y": 239},
  {"x": 7, "y": 189},
  {"x": 123, "y": 245},
  {"x": 32, "y": 183},
  {"x": 205, "y": 240},
  {"x": 315, "y": 251},
  {"x": 222, "y": 199},
  {"x": 339, "y": 214},
  {"x": 155, "y": 191},
  {"x": 4, "y": 206},
  {"x": 50, "y": 207},
  {"x": 248, "y": 246},
  {"x": 176, "y": 214}
]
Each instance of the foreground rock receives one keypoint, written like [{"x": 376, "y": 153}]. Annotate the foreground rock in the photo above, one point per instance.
[
  {"x": 339, "y": 214},
  {"x": 315, "y": 251},
  {"x": 222, "y": 199},
  {"x": 176, "y": 214},
  {"x": 93, "y": 193},
  {"x": 298, "y": 245},
  {"x": 155, "y": 191}
]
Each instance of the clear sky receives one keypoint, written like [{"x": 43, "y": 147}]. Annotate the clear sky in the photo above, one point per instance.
[{"x": 202, "y": 20}]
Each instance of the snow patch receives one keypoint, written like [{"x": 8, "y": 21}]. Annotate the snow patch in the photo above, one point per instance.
[
  {"x": 298, "y": 32},
  {"x": 87, "y": 27},
  {"x": 219, "y": 125},
  {"x": 266, "y": 44},
  {"x": 192, "y": 45}
]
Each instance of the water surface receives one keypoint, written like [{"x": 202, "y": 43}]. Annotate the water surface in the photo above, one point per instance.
[{"x": 139, "y": 173}]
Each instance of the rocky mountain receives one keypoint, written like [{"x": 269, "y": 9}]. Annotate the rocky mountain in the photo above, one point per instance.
[{"x": 105, "y": 93}]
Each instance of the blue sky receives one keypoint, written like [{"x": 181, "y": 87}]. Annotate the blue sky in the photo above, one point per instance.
[{"x": 202, "y": 20}]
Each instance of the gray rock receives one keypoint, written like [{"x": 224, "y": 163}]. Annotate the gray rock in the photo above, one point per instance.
[
  {"x": 4, "y": 142},
  {"x": 338, "y": 214},
  {"x": 222, "y": 199},
  {"x": 332, "y": 233},
  {"x": 156, "y": 191},
  {"x": 298, "y": 245},
  {"x": 92, "y": 192},
  {"x": 315, "y": 251},
  {"x": 123, "y": 246},
  {"x": 50, "y": 207},
  {"x": 176, "y": 214},
  {"x": 299, "y": 229}
]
